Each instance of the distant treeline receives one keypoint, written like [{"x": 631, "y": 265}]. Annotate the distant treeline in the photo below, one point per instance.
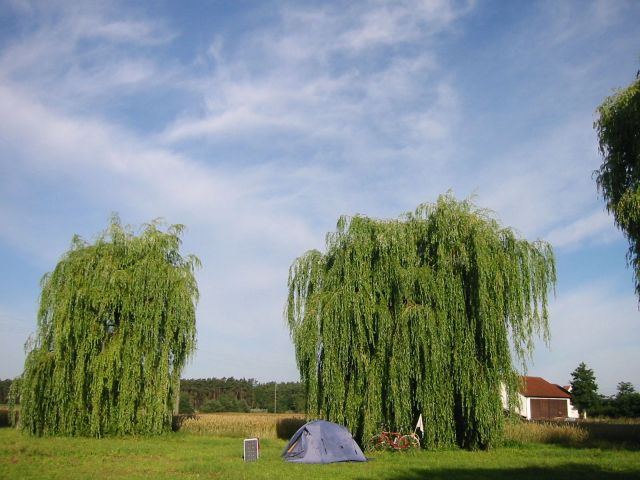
[
  {"x": 242, "y": 395},
  {"x": 239, "y": 395},
  {"x": 622, "y": 405},
  {"x": 227, "y": 395}
]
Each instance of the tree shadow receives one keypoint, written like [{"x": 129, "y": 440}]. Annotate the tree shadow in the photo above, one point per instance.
[
  {"x": 4, "y": 417},
  {"x": 177, "y": 420},
  {"x": 601, "y": 444},
  {"x": 566, "y": 471},
  {"x": 613, "y": 435},
  {"x": 601, "y": 435},
  {"x": 286, "y": 427}
]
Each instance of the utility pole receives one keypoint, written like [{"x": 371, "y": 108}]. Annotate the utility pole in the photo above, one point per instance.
[{"x": 275, "y": 397}]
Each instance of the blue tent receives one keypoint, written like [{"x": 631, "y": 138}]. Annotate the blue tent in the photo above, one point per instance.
[{"x": 322, "y": 442}]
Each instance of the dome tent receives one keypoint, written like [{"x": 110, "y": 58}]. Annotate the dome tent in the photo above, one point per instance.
[{"x": 322, "y": 442}]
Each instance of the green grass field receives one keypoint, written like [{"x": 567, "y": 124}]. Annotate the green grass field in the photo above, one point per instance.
[{"x": 185, "y": 455}]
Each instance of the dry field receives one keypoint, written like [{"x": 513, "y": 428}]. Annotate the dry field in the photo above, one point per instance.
[
  {"x": 247, "y": 425},
  {"x": 558, "y": 433},
  {"x": 623, "y": 433},
  {"x": 283, "y": 426}
]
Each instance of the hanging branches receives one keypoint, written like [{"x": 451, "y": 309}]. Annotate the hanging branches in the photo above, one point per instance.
[
  {"x": 419, "y": 315},
  {"x": 116, "y": 325},
  {"x": 618, "y": 178}
]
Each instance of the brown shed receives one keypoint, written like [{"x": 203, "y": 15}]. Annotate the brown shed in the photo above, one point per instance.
[{"x": 545, "y": 400}]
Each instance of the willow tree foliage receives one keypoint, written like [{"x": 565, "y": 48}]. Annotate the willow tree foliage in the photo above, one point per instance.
[
  {"x": 428, "y": 314},
  {"x": 618, "y": 178},
  {"x": 116, "y": 325}
]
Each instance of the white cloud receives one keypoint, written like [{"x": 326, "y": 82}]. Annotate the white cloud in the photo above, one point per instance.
[
  {"x": 82, "y": 52},
  {"x": 597, "y": 226},
  {"x": 542, "y": 182},
  {"x": 236, "y": 122},
  {"x": 94, "y": 155},
  {"x": 242, "y": 227},
  {"x": 126, "y": 31},
  {"x": 297, "y": 81},
  {"x": 595, "y": 324},
  {"x": 319, "y": 111},
  {"x": 567, "y": 24},
  {"x": 15, "y": 329},
  {"x": 395, "y": 23}
]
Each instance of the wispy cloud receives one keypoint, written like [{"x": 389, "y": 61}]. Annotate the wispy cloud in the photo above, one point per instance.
[
  {"x": 597, "y": 227},
  {"x": 15, "y": 329},
  {"x": 392, "y": 24},
  {"x": 83, "y": 51},
  {"x": 94, "y": 156},
  {"x": 259, "y": 138},
  {"x": 235, "y": 216},
  {"x": 313, "y": 78},
  {"x": 595, "y": 324},
  {"x": 539, "y": 145}
]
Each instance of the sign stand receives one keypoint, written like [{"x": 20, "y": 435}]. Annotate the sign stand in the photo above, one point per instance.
[{"x": 251, "y": 449}]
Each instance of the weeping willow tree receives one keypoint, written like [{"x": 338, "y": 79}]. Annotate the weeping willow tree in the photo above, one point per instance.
[
  {"x": 429, "y": 314},
  {"x": 618, "y": 178},
  {"x": 116, "y": 325}
]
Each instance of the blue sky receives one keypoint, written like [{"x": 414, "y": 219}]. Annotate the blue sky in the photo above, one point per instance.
[{"x": 257, "y": 124}]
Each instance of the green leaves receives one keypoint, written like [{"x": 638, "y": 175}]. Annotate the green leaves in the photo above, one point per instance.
[
  {"x": 584, "y": 389},
  {"x": 116, "y": 325},
  {"x": 418, "y": 315}
]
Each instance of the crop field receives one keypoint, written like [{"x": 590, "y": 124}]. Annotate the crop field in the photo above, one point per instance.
[
  {"x": 261, "y": 425},
  {"x": 196, "y": 453}
]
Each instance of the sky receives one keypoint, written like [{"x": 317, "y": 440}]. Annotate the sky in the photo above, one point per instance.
[{"x": 258, "y": 123}]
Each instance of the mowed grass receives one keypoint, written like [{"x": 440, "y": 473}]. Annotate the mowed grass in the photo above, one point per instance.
[
  {"x": 184, "y": 455},
  {"x": 196, "y": 456}
]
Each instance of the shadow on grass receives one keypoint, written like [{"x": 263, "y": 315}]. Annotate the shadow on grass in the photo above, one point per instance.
[
  {"x": 625, "y": 435},
  {"x": 609, "y": 435},
  {"x": 602, "y": 445},
  {"x": 568, "y": 471}
]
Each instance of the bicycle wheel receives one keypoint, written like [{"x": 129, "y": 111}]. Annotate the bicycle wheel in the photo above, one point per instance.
[
  {"x": 378, "y": 442},
  {"x": 403, "y": 443},
  {"x": 411, "y": 440}
]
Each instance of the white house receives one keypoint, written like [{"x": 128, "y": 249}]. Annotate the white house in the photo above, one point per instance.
[{"x": 541, "y": 400}]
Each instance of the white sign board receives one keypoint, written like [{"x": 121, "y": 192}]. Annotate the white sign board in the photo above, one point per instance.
[{"x": 251, "y": 449}]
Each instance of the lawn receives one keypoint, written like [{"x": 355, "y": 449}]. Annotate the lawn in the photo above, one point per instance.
[{"x": 185, "y": 455}]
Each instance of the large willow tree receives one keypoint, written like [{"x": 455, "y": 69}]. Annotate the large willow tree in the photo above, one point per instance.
[
  {"x": 428, "y": 314},
  {"x": 618, "y": 178},
  {"x": 116, "y": 325}
]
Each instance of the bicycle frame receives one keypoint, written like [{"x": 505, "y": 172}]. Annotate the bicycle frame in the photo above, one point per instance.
[{"x": 394, "y": 441}]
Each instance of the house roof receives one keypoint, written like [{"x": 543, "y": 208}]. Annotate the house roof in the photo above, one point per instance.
[{"x": 539, "y": 387}]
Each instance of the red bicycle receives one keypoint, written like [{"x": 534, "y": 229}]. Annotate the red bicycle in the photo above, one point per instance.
[{"x": 393, "y": 441}]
